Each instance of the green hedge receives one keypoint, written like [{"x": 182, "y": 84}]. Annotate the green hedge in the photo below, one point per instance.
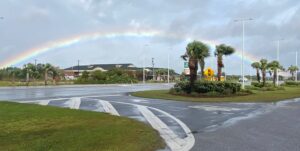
[
  {"x": 205, "y": 87},
  {"x": 292, "y": 83},
  {"x": 110, "y": 77}
]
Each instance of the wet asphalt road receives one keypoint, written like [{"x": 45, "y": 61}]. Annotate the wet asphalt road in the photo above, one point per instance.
[{"x": 215, "y": 126}]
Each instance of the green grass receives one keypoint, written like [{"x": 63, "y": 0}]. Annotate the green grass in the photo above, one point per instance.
[
  {"x": 257, "y": 96},
  {"x": 25, "y": 127}
]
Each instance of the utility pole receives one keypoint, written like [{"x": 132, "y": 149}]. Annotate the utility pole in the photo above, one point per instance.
[
  {"x": 78, "y": 67},
  {"x": 144, "y": 72},
  {"x": 243, "y": 20},
  {"x": 296, "y": 66},
  {"x": 278, "y": 51},
  {"x": 153, "y": 69}
]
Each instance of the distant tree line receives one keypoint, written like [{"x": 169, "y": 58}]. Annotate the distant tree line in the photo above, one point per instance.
[
  {"x": 31, "y": 72},
  {"x": 263, "y": 67}
]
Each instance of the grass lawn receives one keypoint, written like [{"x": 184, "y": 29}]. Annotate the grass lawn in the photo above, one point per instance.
[
  {"x": 258, "y": 96},
  {"x": 25, "y": 127}
]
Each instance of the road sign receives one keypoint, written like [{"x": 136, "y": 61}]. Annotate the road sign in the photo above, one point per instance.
[
  {"x": 209, "y": 72},
  {"x": 186, "y": 65}
]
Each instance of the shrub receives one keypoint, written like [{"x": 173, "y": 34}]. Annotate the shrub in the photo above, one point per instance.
[
  {"x": 205, "y": 87},
  {"x": 292, "y": 83},
  {"x": 109, "y": 77},
  {"x": 260, "y": 85}
]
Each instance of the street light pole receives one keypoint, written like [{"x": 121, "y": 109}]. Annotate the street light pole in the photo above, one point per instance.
[
  {"x": 168, "y": 68},
  {"x": 278, "y": 49},
  {"x": 296, "y": 66},
  {"x": 153, "y": 69},
  {"x": 243, "y": 20}
]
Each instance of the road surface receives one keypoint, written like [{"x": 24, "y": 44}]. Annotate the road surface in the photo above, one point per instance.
[{"x": 183, "y": 125}]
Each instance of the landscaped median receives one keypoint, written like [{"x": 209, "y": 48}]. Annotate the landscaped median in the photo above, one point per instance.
[
  {"x": 34, "y": 127},
  {"x": 255, "y": 96}
]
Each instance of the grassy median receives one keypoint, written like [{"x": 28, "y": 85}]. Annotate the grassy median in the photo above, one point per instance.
[
  {"x": 257, "y": 96},
  {"x": 42, "y": 128}
]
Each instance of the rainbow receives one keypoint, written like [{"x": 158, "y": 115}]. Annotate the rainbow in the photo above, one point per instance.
[{"x": 70, "y": 41}]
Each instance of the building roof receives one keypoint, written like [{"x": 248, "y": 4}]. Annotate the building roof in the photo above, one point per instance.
[{"x": 102, "y": 66}]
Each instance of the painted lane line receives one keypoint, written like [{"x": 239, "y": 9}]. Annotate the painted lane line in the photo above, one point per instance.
[
  {"x": 109, "y": 108},
  {"x": 74, "y": 103},
  {"x": 189, "y": 141},
  {"x": 214, "y": 108},
  {"x": 172, "y": 140}
]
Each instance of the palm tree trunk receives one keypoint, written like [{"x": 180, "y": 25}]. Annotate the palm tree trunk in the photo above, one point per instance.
[
  {"x": 274, "y": 77},
  {"x": 258, "y": 75},
  {"x": 202, "y": 66},
  {"x": 264, "y": 77},
  {"x": 220, "y": 65},
  {"x": 46, "y": 77},
  {"x": 193, "y": 66}
]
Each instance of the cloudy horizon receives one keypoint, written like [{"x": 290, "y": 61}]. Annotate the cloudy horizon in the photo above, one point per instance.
[{"x": 31, "y": 23}]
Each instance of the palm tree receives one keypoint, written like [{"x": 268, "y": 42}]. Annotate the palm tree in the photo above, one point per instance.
[
  {"x": 46, "y": 68},
  {"x": 293, "y": 70},
  {"x": 274, "y": 66},
  {"x": 222, "y": 50},
  {"x": 29, "y": 70},
  {"x": 256, "y": 65},
  {"x": 196, "y": 51},
  {"x": 264, "y": 67}
]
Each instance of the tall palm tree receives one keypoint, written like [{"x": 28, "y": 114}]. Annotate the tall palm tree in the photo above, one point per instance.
[
  {"x": 293, "y": 70},
  {"x": 264, "y": 67},
  {"x": 222, "y": 50},
  {"x": 256, "y": 65},
  {"x": 196, "y": 52},
  {"x": 274, "y": 66}
]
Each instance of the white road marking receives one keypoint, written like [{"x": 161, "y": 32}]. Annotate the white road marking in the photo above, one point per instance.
[
  {"x": 74, "y": 103},
  {"x": 44, "y": 102},
  {"x": 172, "y": 140},
  {"x": 108, "y": 108},
  {"x": 215, "y": 108},
  {"x": 140, "y": 101},
  {"x": 189, "y": 141}
]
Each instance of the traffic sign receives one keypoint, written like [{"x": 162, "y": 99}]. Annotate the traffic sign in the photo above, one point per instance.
[
  {"x": 186, "y": 64},
  {"x": 209, "y": 72}
]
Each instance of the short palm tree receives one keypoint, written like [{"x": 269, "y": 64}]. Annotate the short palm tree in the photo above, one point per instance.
[
  {"x": 46, "y": 68},
  {"x": 274, "y": 66},
  {"x": 256, "y": 65},
  {"x": 293, "y": 70},
  {"x": 222, "y": 50},
  {"x": 264, "y": 67},
  {"x": 196, "y": 52}
]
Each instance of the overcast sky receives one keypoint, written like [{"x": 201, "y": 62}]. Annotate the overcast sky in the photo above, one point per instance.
[{"x": 31, "y": 23}]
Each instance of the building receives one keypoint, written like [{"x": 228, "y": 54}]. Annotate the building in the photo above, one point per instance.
[
  {"x": 160, "y": 73},
  {"x": 75, "y": 71}
]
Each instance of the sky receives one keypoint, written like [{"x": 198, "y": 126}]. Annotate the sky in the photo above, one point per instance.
[{"x": 29, "y": 24}]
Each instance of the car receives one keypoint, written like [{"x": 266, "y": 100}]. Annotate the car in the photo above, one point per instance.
[{"x": 245, "y": 80}]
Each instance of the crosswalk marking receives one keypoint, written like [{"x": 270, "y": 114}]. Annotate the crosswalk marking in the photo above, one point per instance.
[
  {"x": 74, "y": 103},
  {"x": 108, "y": 108},
  {"x": 173, "y": 140}
]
